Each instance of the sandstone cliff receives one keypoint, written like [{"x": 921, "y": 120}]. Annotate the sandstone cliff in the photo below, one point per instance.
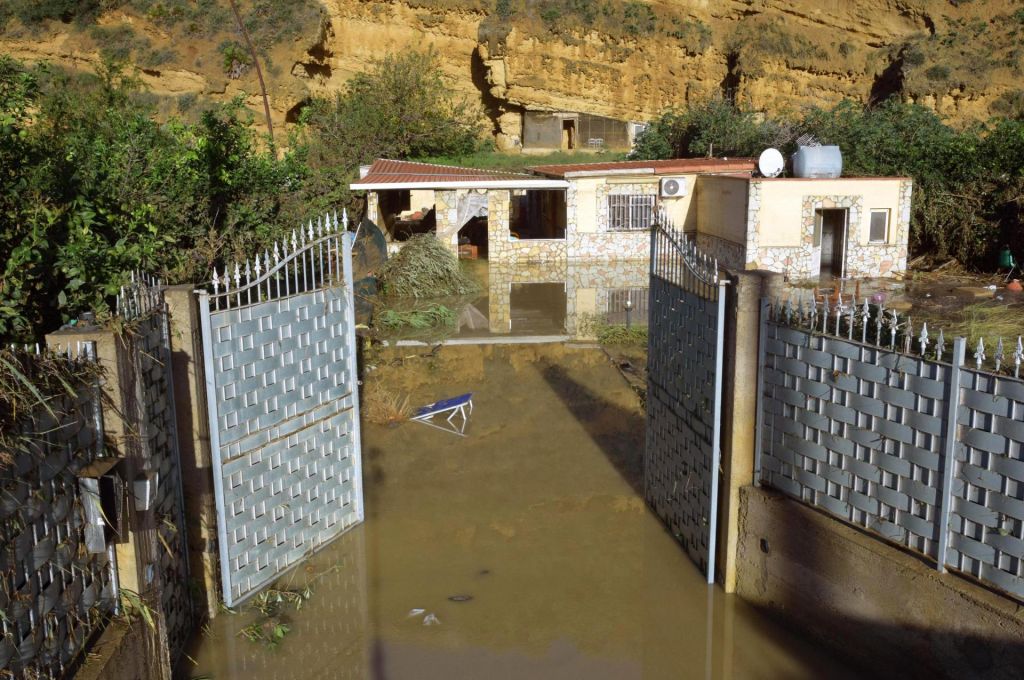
[{"x": 627, "y": 60}]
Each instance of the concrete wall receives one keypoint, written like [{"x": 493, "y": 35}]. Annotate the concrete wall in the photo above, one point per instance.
[
  {"x": 722, "y": 207},
  {"x": 838, "y": 586}
]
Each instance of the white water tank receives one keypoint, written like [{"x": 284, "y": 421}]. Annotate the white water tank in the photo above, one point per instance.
[{"x": 818, "y": 161}]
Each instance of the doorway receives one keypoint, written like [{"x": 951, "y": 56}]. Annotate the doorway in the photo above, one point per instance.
[
  {"x": 568, "y": 134},
  {"x": 830, "y": 229}
]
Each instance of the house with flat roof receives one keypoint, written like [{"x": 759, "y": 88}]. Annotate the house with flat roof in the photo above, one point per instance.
[{"x": 804, "y": 227}]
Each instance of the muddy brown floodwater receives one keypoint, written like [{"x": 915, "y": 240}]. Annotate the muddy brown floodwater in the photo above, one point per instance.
[{"x": 527, "y": 541}]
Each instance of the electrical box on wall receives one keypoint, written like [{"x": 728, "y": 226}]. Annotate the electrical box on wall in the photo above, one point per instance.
[{"x": 673, "y": 187}]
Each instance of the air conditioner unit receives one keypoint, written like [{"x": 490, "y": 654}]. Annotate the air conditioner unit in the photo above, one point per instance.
[{"x": 673, "y": 187}]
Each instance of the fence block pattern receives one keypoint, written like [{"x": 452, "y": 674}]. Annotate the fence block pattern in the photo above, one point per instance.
[
  {"x": 855, "y": 430},
  {"x": 55, "y": 593},
  {"x": 987, "y": 520},
  {"x": 167, "y": 551},
  {"x": 925, "y": 453},
  {"x": 283, "y": 407}
]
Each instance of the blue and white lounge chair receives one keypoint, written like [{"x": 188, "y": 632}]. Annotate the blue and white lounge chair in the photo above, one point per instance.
[{"x": 456, "y": 406}]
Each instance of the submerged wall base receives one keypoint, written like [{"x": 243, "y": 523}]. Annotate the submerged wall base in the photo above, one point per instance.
[{"x": 881, "y": 607}]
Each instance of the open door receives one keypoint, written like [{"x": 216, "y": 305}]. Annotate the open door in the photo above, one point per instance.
[{"x": 832, "y": 227}]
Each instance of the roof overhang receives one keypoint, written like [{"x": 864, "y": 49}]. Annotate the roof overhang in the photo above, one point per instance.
[{"x": 488, "y": 184}]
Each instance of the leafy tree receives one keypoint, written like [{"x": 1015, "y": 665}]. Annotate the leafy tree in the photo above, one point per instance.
[
  {"x": 716, "y": 127},
  {"x": 950, "y": 216},
  {"x": 402, "y": 108},
  {"x": 93, "y": 188}
]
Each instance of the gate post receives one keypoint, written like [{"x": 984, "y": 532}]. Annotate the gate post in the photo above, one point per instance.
[
  {"x": 194, "y": 442},
  {"x": 739, "y": 406}
]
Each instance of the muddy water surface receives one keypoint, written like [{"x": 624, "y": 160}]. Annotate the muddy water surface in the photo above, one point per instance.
[{"x": 525, "y": 546}]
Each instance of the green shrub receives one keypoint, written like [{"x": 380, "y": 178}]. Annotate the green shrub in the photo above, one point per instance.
[
  {"x": 236, "y": 57},
  {"x": 938, "y": 72},
  {"x": 639, "y": 19}
]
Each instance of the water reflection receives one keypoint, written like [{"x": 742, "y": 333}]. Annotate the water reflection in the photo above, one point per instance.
[
  {"x": 550, "y": 298},
  {"x": 526, "y": 540}
]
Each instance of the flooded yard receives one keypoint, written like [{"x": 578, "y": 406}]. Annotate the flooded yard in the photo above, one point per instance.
[{"x": 523, "y": 550}]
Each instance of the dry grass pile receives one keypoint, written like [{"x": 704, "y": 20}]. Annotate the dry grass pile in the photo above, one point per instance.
[
  {"x": 424, "y": 268},
  {"x": 382, "y": 406}
]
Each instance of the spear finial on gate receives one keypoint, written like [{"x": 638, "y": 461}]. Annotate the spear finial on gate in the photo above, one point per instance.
[
  {"x": 940, "y": 346},
  {"x": 1018, "y": 357},
  {"x": 319, "y": 227},
  {"x": 256, "y": 266},
  {"x": 344, "y": 218},
  {"x": 248, "y": 272},
  {"x": 979, "y": 353},
  {"x": 295, "y": 241},
  {"x": 277, "y": 253},
  {"x": 999, "y": 354},
  {"x": 311, "y": 230},
  {"x": 923, "y": 338},
  {"x": 238, "y": 276},
  {"x": 216, "y": 281}
]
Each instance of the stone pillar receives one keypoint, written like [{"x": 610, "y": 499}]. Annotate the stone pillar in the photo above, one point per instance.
[
  {"x": 194, "y": 445},
  {"x": 739, "y": 406}
]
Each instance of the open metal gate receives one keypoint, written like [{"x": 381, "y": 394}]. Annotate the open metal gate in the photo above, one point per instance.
[
  {"x": 282, "y": 400},
  {"x": 684, "y": 391}
]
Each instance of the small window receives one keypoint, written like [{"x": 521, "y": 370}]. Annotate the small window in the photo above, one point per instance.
[
  {"x": 630, "y": 212},
  {"x": 879, "y": 226}
]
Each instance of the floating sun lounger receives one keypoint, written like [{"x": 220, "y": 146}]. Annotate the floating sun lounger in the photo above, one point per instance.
[{"x": 456, "y": 406}]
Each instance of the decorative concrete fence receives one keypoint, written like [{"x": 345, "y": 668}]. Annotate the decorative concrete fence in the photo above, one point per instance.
[
  {"x": 58, "y": 571},
  {"x": 893, "y": 429}
]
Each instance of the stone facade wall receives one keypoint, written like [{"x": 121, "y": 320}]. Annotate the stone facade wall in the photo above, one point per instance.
[
  {"x": 884, "y": 259},
  {"x": 446, "y": 214},
  {"x": 804, "y": 260},
  {"x": 605, "y": 244},
  {"x": 373, "y": 207},
  {"x": 729, "y": 255},
  {"x": 501, "y": 247}
]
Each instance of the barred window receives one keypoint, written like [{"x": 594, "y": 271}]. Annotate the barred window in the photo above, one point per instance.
[{"x": 630, "y": 212}]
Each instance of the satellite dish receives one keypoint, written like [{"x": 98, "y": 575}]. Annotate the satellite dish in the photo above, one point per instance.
[{"x": 771, "y": 163}]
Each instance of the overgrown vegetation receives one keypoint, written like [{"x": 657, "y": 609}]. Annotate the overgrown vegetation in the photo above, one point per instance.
[
  {"x": 612, "y": 335},
  {"x": 33, "y": 387},
  {"x": 424, "y": 268},
  {"x": 571, "y": 19},
  {"x": 968, "y": 184},
  {"x": 92, "y": 187}
]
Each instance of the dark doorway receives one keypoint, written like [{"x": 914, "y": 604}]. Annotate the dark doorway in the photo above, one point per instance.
[
  {"x": 537, "y": 308},
  {"x": 537, "y": 214},
  {"x": 569, "y": 134},
  {"x": 830, "y": 228}
]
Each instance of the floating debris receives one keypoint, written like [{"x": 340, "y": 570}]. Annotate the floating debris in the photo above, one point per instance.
[
  {"x": 460, "y": 598},
  {"x": 431, "y": 620}
]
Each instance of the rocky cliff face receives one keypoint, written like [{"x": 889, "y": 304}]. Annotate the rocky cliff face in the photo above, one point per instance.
[{"x": 626, "y": 60}]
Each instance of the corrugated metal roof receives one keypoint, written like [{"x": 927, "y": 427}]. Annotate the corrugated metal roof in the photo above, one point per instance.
[
  {"x": 385, "y": 171},
  {"x": 663, "y": 167}
]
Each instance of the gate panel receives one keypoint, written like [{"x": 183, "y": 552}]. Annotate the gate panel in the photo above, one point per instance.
[
  {"x": 684, "y": 392},
  {"x": 283, "y": 406}
]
